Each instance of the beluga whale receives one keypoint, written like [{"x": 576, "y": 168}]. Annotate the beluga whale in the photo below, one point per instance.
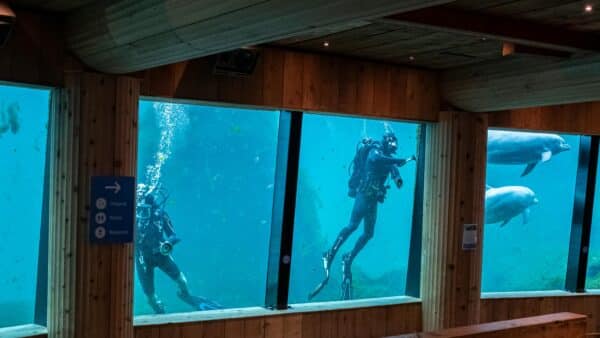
[
  {"x": 515, "y": 147},
  {"x": 504, "y": 203}
]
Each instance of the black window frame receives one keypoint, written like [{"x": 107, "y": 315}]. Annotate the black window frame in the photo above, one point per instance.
[
  {"x": 282, "y": 227},
  {"x": 581, "y": 219}
]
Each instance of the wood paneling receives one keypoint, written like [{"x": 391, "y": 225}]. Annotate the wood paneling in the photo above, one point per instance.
[
  {"x": 518, "y": 82},
  {"x": 93, "y": 133},
  {"x": 557, "y": 325},
  {"x": 158, "y": 32},
  {"x": 372, "y": 322},
  {"x": 494, "y": 309},
  {"x": 34, "y": 53},
  {"x": 303, "y": 81},
  {"x": 583, "y": 118},
  {"x": 453, "y": 196},
  {"x": 396, "y": 42}
]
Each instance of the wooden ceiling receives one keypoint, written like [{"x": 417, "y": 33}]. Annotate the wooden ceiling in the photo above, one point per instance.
[
  {"x": 445, "y": 37},
  {"x": 53, "y": 5}
]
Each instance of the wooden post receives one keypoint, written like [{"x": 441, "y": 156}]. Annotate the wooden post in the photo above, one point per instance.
[
  {"x": 94, "y": 132},
  {"x": 453, "y": 195}
]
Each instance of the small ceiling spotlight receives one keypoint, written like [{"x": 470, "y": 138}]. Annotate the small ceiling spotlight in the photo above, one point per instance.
[
  {"x": 326, "y": 44},
  {"x": 588, "y": 8},
  {"x": 483, "y": 38},
  {"x": 411, "y": 58}
]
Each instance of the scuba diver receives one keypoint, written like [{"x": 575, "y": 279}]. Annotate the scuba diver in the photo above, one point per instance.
[
  {"x": 371, "y": 166},
  {"x": 155, "y": 239}
]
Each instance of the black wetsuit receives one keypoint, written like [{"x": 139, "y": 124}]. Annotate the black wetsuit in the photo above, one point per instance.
[
  {"x": 150, "y": 233},
  {"x": 371, "y": 190}
]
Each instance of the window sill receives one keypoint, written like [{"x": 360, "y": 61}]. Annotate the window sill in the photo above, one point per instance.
[
  {"x": 21, "y": 331},
  {"x": 259, "y": 311},
  {"x": 532, "y": 294}
]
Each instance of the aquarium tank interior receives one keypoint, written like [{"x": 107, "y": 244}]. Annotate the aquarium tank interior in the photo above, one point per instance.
[
  {"x": 529, "y": 203},
  {"x": 593, "y": 271},
  {"x": 324, "y": 207},
  {"x": 211, "y": 172},
  {"x": 206, "y": 180},
  {"x": 23, "y": 138}
]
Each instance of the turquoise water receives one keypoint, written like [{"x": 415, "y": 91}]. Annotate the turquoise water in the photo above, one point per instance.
[
  {"x": 323, "y": 209},
  {"x": 218, "y": 165},
  {"x": 532, "y": 256},
  {"x": 593, "y": 274},
  {"x": 23, "y": 132}
]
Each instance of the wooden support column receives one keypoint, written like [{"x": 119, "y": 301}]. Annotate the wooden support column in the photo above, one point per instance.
[
  {"x": 94, "y": 132},
  {"x": 453, "y": 195}
]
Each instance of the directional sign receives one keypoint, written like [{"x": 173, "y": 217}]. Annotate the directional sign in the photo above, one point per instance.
[{"x": 112, "y": 208}]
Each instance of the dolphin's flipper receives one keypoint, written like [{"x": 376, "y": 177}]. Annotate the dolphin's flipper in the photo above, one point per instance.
[
  {"x": 529, "y": 168},
  {"x": 505, "y": 222},
  {"x": 546, "y": 155},
  {"x": 526, "y": 213},
  {"x": 488, "y": 187}
]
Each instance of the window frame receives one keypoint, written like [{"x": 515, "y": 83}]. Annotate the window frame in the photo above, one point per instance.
[
  {"x": 282, "y": 227},
  {"x": 40, "y": 314},
  {"x": 581, "y": 224}
]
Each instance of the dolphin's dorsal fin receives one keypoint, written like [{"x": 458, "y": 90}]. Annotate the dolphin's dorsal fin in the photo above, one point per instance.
[
  {"x": 546, "y": 155},
  {"x": 505, "y": 222},
  {"x": 529, "y": 168},
  {"x": 526, "y": 214}
]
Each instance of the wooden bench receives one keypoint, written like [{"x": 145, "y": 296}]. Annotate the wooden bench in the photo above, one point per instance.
[{"x": 556, "y": 325}]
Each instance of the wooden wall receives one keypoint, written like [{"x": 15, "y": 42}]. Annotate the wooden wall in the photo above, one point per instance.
[
  {"x": 94, "y": 132},
  {"x": 454, "y": 192},
  {"x": 510, "y": 308},
  {"x": 581, "y": 118},
  {"x": 303, "y": 81},
  {"x": 35, "y": 53},
  {"x": 372, "y": 322}
]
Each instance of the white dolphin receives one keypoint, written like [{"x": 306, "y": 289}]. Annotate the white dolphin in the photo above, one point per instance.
[
  {"x": 504, "y": 203},
  {"x": 510, "y": 147}
]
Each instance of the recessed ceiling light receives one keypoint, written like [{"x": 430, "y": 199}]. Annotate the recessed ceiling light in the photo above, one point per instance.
[
  {"x": 589, "y": 8},
  {"x": 483, "y": 38},
  {"x": 326, "y": 44},
  {"x": 411, "y": 58}
]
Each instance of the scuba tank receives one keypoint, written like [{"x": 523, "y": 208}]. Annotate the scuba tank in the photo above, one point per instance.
[{"x": 356, "y": 169}]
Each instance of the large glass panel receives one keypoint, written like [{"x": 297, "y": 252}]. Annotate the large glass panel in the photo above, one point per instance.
[
  {"x": 340, "y": 157},
  {"x": 593, "y": 272},
  {"x": 528, "y": 210},
  {"x": 205, "y": 178},
  {"x": 23, "y": 138}
]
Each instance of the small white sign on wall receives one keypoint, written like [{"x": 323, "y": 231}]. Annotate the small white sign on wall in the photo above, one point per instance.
[{"x": 469, "y": 240}]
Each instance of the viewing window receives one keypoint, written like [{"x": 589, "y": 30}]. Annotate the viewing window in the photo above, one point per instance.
[
  {"x": 23, "y": 138},
  {"x": 205, "y": 198},
  {"x": 354, "y": 204},
  {"x": 528, "y": 210},
  {"x": 593, "y": 272}
]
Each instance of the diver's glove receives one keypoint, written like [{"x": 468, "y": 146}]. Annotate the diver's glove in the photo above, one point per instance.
[{"x": 399, "y": 182}]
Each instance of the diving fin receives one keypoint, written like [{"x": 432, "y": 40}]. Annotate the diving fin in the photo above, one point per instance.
[
  {"x": 326, "y": 265},
  {"x": 529, "y": 168},
  {"x": 346, "y": 278},
  {"x": 199, "y": 303}
]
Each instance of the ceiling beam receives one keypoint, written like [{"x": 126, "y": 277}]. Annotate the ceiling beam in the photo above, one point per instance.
[
  {"x": 129, "y": 35},
  {"x": 502, "y": 28},
  {"x": 521, "y": 82}
]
